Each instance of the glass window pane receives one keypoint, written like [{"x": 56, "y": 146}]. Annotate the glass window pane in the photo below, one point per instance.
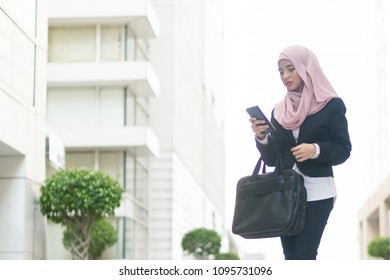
[
  {"x": 112, "y": 164},
  {"x": 141, "y": 49},
  {"x": 130, "y": 176},
  {"x": 111, "y": 43},
  {"x": 129, "y": 239},
  {"x": 130, "y": 110},
  {"x": 80, "y": 101},
  {"x": 141, "y": 112},
  {"x": 65, "y": 42},
  {"x": 137, "y": 184},
  {"x": 136, "y": 241},
  {"x": 111, "y": 107},
  {"x": 80, "y": 159},
  {"x": 141, "y": 179},
  {"x": 141, "y": 236},
  {"x": 130, "y": 45}
]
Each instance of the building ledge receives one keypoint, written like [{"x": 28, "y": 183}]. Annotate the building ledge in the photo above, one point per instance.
[
  {"x": 138, "y": 75},
  {"x": 372, "y": 204},
  {"x": 140, "y": 141},
  {"x": 138, "y": 14}
]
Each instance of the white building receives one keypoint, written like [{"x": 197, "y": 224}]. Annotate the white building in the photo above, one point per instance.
[
  {"x": 131, "y": 93},
  {"x": 374, "y": 218},
  {"x": 23, "y": 37},
  {"x": 374, "y": 215}
]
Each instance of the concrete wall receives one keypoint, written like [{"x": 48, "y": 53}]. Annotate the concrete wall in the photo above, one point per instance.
[{"x": 23, "y": 36}]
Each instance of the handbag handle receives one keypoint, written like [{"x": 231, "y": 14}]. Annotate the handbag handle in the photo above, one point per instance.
[
  {"x": 257, "y": 167},
  {"x": 278, "y": 166},
  {"x": 279, "y": 163}
]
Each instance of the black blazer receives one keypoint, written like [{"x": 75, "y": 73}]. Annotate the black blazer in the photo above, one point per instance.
[{"x": 328, "y": 128}]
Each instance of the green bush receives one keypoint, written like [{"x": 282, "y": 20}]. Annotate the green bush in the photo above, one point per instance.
[
  {"x": 227, "y": 256},
  {"x": 103, "y": 235},
  {"x": 76, "y": 198},
  {"x": 380, "y": 248},
  {"x": 201, "y": 243}
]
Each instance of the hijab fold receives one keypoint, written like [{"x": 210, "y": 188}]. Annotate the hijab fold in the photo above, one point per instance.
[{"x": 317, "y": 91}]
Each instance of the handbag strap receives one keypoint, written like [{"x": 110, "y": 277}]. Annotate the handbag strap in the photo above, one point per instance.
[
  {"x": 257, "y": 167},
  {"x": 278, "y": 166},
  {"x": 279, "y": 163}
]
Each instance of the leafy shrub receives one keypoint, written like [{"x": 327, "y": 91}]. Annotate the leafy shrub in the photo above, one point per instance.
[
  {"x": 201, "y": 243},
  {"x": 103, "y": 235},
  {"x": 227, "y": 256},
  {"x": 380, "y": 248},
  {"x": 76, "y": 198}
]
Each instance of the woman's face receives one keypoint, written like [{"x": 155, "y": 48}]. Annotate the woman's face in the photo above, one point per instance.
[{"x": 289, "y": 76}]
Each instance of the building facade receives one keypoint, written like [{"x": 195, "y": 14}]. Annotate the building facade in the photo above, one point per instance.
[
  {"x": 374, "y": 215},
  {"x": 374, "y": 218},
  {"x": 128, "y": 93},
  {"x": 23, "y": 37},
  {"x": 188, "y": 179},
  {"x": 99, "y": 85}
]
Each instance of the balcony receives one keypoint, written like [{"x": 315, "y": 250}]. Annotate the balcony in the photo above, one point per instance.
[
  {"x": 137, "y": 140},
  {"x": 139, "y": 15},
  {"x": 138, "y": 75}
]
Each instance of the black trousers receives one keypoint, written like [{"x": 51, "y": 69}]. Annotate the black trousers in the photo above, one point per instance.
[{"x": 304, "y": 246}]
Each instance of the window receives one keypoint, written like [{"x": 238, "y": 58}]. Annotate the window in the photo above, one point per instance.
[
  {"x": 141, "y": 111},
  {"x": 90, "y": 107},
  {"x": 137, "y": 180},
  {"x": 111, "y": 108},
  {"x": 112, "y": 43},
  {"x": 136, "y": 110},
  {"x": 109, "y": 162},
  {"x": 136, "y": 48},
  {"x": 79, "y": 101},
  {"x": 135, "y": 240},
  {"x": 86, "y": 43},
  {"x": 72, "y": 44}
]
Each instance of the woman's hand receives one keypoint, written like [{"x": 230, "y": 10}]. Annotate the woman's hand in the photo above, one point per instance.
[
  {"x": 258, "y": 126},
  {"x": 303, "y": 152}
]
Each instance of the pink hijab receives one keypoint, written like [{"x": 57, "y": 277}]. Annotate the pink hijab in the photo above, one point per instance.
[{"x": 317, "y": 91}]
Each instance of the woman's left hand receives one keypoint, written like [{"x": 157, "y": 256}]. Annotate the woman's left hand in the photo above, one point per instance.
[{"x": 303, "y": 152}]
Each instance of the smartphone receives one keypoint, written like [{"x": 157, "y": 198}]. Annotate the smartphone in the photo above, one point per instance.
[{"x": 255, "y": 112}]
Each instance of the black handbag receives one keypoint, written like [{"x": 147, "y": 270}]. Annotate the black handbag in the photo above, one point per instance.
[{"x": 270, "y": 204}]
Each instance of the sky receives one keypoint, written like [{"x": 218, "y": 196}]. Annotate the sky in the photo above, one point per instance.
[{"x": 342, "y": 34}]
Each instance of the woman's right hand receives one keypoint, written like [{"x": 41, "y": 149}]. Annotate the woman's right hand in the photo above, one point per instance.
[{"x": 258, "y": 126}]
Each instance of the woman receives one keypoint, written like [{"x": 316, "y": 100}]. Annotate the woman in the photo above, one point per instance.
[{"x": 311, "y": 132}]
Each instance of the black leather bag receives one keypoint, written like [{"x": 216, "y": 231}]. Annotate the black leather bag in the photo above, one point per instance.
[{"x": 270, "y": 204}]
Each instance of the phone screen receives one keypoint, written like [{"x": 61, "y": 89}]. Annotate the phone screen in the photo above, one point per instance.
[{"x": 255, "y": 112}]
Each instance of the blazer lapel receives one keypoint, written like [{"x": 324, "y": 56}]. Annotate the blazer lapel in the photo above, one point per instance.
[
  {"x": 303, "y": 127},
  {"x": 291, "y": 136}
]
